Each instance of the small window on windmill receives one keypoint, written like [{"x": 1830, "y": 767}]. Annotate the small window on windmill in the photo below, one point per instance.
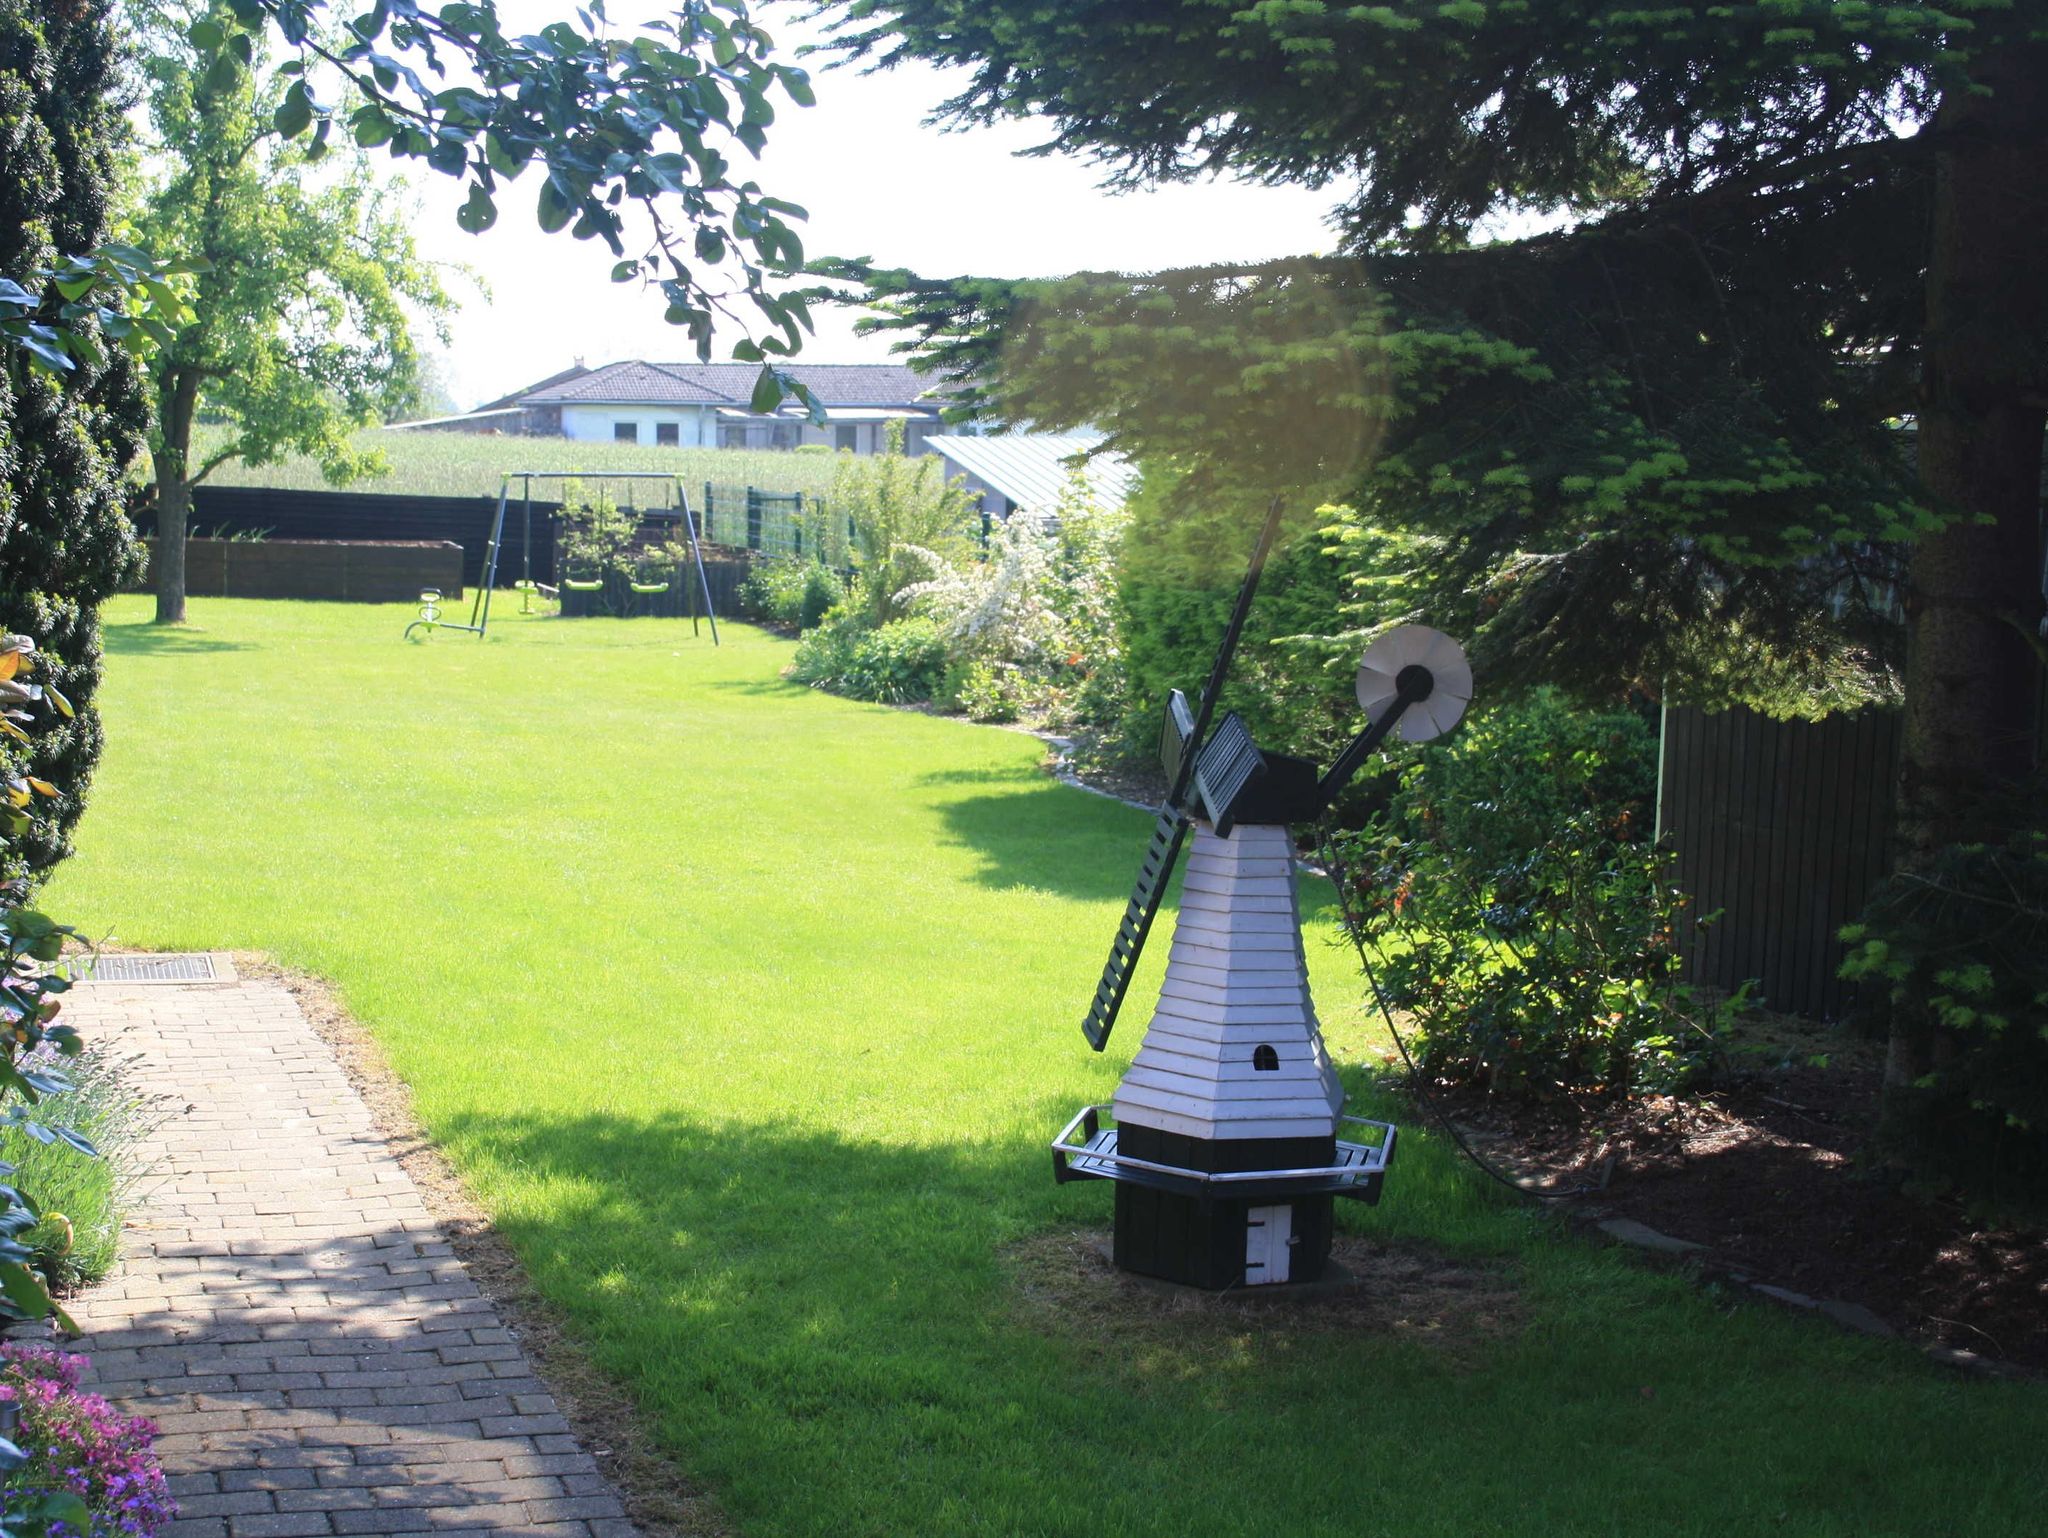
[{"x": 1265, "y": 1059}]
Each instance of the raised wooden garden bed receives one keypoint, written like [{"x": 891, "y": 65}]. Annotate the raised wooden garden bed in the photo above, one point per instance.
[{"x": 366, "y": 571}]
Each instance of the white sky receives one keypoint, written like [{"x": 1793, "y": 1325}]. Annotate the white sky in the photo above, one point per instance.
[{"x": 877, "y": 183}]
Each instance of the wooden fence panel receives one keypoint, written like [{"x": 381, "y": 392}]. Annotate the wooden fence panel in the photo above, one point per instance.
[
  {"x": 361, "y": 515},
  {"x": 1783, "y": 827}
]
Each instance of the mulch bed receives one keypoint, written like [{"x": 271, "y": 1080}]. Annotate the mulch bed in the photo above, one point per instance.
[{"x": 1772, "y": 1170}]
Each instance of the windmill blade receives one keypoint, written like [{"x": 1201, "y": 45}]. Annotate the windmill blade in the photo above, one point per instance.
[
  {"x": 1169, "y": 831},
  {"x": 1219, "y": 670},
  {"x": 1412, "y": 678},
  {"x": 1181, "y": 741}
]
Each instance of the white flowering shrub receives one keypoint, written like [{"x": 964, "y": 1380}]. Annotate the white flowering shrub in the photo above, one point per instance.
[{"x": 1030, "y": 628}]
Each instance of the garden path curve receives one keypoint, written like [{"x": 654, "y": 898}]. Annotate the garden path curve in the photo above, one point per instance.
[{"x": 316, "y": 1357}]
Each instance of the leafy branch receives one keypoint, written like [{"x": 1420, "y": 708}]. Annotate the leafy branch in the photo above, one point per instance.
[
  {"x": 609, "y": 120},
  {"x": 117, "y": 291}
]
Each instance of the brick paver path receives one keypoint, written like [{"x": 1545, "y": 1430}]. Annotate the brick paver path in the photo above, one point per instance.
[{"x": 288, "y": 1314}]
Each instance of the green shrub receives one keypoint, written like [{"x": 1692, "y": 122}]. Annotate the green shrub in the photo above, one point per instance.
[
  {"x": 774, "y": 589},
  {"x": 983, "y": 690},
  {"x": 1183, "y": 557},
  {"x": 1963, "y": 946},
  {"x": 899, "y": 663},
  {"x": 1524, "y": 917},
  {"x": 66, "y": 543},
  {"x": 826, "y": 651},
  {"x": 822, "y": 593},
  {"x": 83, "y": 1201},
  {"x": 598, "y": 536},
  {"x": 892, "y": 500},
  {"x": 902, "y": 662},
  {"x": 789, "y": 590}
]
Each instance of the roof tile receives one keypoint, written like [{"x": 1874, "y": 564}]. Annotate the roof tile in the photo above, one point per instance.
[{"x": 639, "y": 383}]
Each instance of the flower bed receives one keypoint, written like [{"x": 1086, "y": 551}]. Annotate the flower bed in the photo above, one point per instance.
[{"x": 69, "y": 1441}]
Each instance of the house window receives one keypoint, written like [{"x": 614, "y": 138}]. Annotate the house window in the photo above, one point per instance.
[
  {"x": 625, "y": 432},
  {"x": 669, "y": 433},
  {"x": 787, "y": 435},
  {"x": 732, "y": 435},
  {"x": 846, "y": 437}
]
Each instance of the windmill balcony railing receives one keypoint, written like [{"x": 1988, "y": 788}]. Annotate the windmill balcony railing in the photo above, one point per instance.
[{"x": 1086, "y": 1149}]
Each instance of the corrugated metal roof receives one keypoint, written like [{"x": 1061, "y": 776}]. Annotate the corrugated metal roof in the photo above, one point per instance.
[
  {"x": 1031, "y": 469},
  {"x": 638, "y": 383}
]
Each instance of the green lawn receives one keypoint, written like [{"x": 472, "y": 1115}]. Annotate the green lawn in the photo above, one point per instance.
[{"x": 748, "y": 1013}]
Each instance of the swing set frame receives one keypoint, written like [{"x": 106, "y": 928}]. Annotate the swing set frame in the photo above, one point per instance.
[{"x": 480, "y": 606}]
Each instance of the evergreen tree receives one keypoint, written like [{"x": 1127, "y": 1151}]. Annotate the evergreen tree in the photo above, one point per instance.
[
  {"x": 1662, "y": 447},
  {"x": 67, "y": 435}
]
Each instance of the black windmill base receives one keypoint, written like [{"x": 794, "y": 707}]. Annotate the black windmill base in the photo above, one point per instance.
[
  {"x": 1221, "y": 1245},
  {"x": 1223, "y": 1214}
]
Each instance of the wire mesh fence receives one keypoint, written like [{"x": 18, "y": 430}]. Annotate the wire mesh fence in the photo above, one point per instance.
[
  {"x": 794, "y": 524},
  {"x": 791, "y": 524}
]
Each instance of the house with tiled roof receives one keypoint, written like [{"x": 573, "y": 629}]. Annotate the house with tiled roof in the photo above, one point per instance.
[{"x": 708, "y": 405}]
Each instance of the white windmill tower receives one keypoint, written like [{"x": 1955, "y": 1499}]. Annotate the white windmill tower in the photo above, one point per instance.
[{"x": 1223, "y": 1136}]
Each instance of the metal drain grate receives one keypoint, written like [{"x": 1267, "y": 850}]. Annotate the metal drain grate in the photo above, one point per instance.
[{"x": 196, "y": 967}]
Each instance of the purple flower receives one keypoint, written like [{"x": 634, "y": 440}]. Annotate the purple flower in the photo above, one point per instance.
[{"x": 76, "y": 1441}]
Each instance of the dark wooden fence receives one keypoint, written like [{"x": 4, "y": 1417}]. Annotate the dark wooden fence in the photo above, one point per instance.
[
  {"x": 466, "y": 521},
  {"x": 1783, "y": 826},
  {"x": 362, "y": 571},
  {"x": 380, "y": 516}
]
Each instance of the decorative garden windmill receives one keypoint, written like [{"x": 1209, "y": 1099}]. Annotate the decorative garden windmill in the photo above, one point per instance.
[{"x": 1224, "y": 1147}]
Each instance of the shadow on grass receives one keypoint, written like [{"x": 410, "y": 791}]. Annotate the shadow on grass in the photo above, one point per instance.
[
  {"x": 146, "y": 640},
  {"x": 881, "y": 1260},
  {"x": 1053, "y": 839},
  {"x": 1007, "y": 774},
  {"x": 756, "y": 687},
  {"x": 849, "y": 1336}
]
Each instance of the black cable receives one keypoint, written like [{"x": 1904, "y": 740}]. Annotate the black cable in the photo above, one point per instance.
[{"x": 1340, "y": 876}]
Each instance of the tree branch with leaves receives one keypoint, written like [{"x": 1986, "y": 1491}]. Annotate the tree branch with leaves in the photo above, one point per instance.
[{"x": 306, "y": 288}]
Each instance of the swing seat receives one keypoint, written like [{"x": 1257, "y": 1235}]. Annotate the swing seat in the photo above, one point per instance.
[
  {"x": 648, "y": 587},
  {"x": 582, "y": 585}
]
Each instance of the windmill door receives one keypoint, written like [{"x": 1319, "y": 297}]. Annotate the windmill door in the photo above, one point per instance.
[{"x": 1268, "y": 1244}]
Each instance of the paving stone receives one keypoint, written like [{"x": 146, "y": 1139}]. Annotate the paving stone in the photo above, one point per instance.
[
  {"x": 1644, "y": 1237},
  {"x": 1855, "y": 1316},
  {"x": 290, "y": 1314},
  {"x": 1785, "y": 1295}
]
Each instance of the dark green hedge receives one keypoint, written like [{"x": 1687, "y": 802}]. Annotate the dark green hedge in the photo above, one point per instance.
[{"x": 65, "y": 537}]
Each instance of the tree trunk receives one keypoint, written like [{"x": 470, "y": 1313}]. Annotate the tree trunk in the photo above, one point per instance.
[
  {"x": 176, "y": 404},
  {"x": 1974, "y": 605},
  {"x": 173, "y": 510}
]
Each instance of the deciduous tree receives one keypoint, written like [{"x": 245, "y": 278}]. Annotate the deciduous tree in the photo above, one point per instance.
[
  {"x": 307, "y": 291},
  {"x": 609, "y": 120}
]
